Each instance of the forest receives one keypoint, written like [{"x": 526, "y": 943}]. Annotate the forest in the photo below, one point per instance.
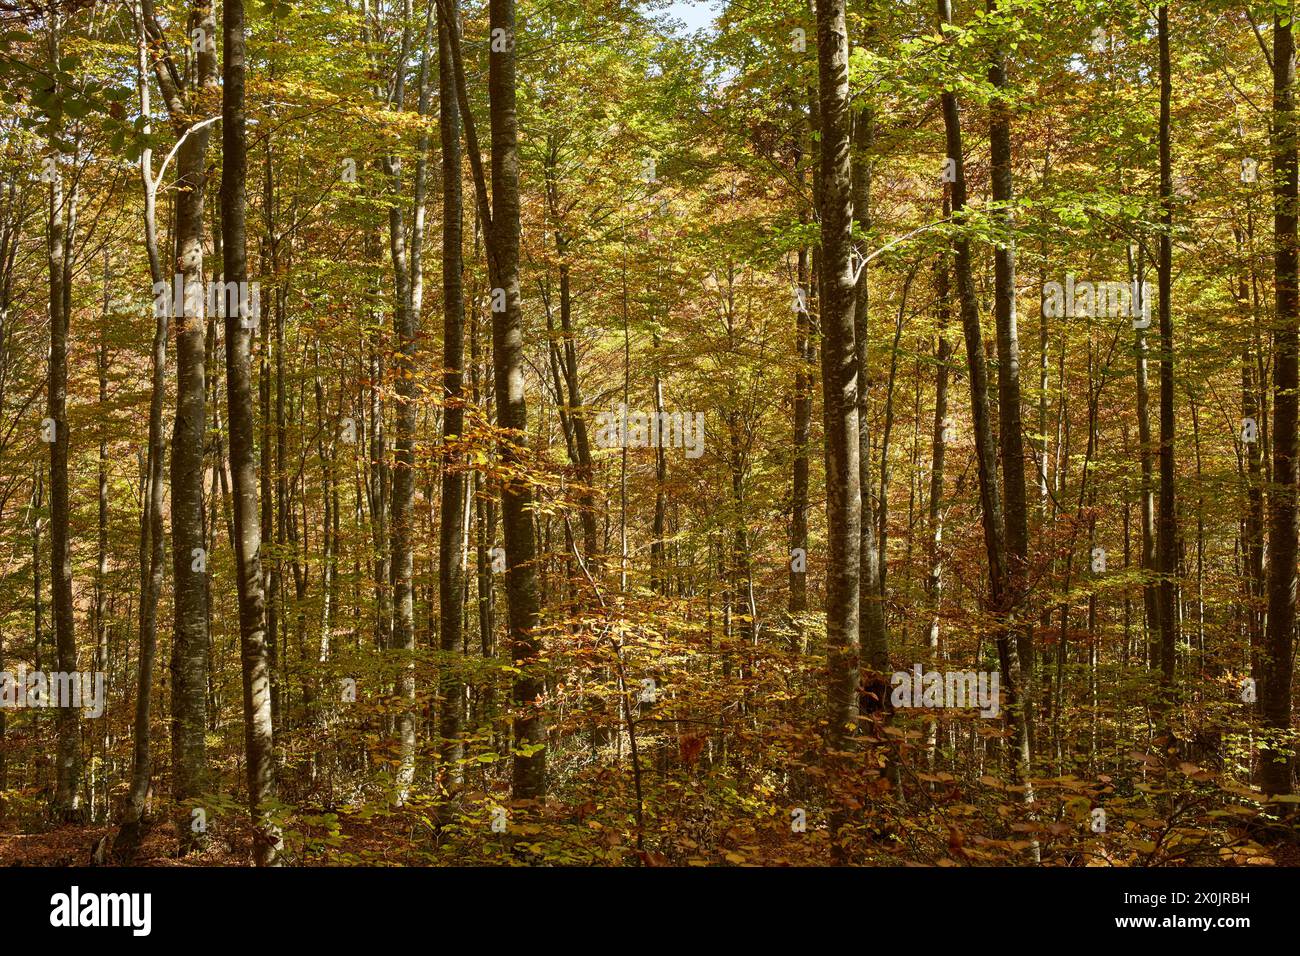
[{"x": 633, "y": 433}]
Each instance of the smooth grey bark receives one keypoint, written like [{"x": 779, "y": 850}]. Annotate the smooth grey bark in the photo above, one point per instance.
[
  {"x": 267, "y": 471},
  {"x": 327, "y": 453},
  {"x": 152, "y": 542},
  {"x": 938, "y": 444},
  {"x": 873, "y": 638},
  {"x": 189, "y": 664},
  {"x": 1253, "y": 519},
  {"x": 1044, "y": 377},
  {"x": 407, "y": 296},
  {"x": 254, "y": 658},
  {"x": 839, "y": 373},
  {"x": 801, "y": 426},
  {"x": 529, "y": 772}
]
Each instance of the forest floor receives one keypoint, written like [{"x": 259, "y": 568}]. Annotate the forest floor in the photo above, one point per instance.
[
  {"x": 74, "y": 845},
  {"x": 71, "y": 845}
]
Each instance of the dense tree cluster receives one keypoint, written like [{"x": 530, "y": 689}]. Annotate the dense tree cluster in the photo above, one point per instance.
[{"x": 440, "y": 432}]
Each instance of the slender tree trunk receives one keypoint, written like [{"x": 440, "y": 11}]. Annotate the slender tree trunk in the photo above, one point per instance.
[
  {"x": 1147, "y": 500},
  {"x": 873, "y": 639},
  {"x": 408, "y": 276},
  {"x": 152, "y": 544},
  {"x": 99, "y": 623},
  {"x": 1044, "y": 376},
  {"x": 938, "y": 445},
  {"x": 568, "y": 386},
  {"x": 484, "y": 536},
  {"x": 802, "y": 422},
  {"x": 38, "y": 602},
  {"x": 189, "y": 668},
  {"x": 938, "y": 448},
  {"x": 1166, "y": 524},
  {"x": 1010, "y": 431},
  {"x": 1275, "y": 767},
  {"x": 577, "y": 415},
  {"x": 11, "y": 226},
  {"x": 529, "y": 774},
  {"x": 881, "y": 516},
  {"x": 1253, "y": 524},
  {"x": 61, "y": 236},
  {"x": 451, "y": 596},
  {"x": 839, "y": 374},
  {"x": 1000, "y": 596},
  {"x": 240, "y": 327},
  {"x": 659, "y": 575}
]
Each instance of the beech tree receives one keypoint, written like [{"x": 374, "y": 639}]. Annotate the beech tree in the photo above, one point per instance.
[
  {"x": 836, "y": 299},
  {"x": 258, "y": 734},
  {"x": 1275, "y": 769}
]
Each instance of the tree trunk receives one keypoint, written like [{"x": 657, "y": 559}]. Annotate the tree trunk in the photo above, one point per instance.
[
  {"x": 1010, "y": 432},
  {"x": 529, "y": 774},
  {"x": 1284, "y": 518},
  {"x": 938, "y": 445},
  {"x": 1166, "y": 523},
  {"x": 1253, "y": 523},
  {"x": 451, "y": 591},
  {"x": 62, "y": 231},
  {"x": 152, "y": 547},
  {"x": 873, "y": 639},
  {"x": 189, "y": 667},
  {"x": 99, "y": 623},
  {"x": 802, "y": 422},
  {"x": 999, "y": 598},
  {"x": 659, "y": 575},
  {"x": 839, "y": 374},
  {"x": 408, "y": 293},
  {"x": 1147, "y": 503},
  {"x": 240, "y": 326}
]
